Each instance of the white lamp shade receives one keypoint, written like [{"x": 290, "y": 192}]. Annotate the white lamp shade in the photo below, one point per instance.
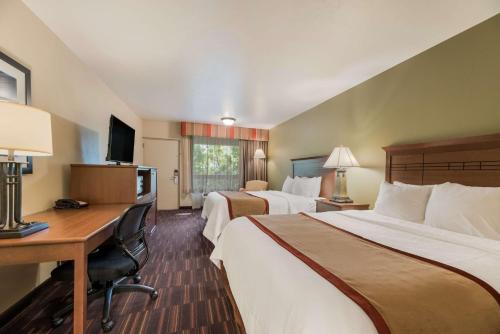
[
  {"x": 341, "y": 157},
  {"x": 259, "y": 154},
  {"x": 24, "y": 130}
]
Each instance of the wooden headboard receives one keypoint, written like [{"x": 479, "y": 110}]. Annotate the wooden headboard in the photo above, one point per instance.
[
  {"x": 473, "y": 161},
  {"x": 313, "y": 167}
]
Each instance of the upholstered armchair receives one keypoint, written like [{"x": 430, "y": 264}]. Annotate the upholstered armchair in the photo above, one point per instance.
[{"x": 255, "y": 185}]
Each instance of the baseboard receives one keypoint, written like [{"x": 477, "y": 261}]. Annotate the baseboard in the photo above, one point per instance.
[
  {"x": 185, "y": 207},
  {"x": 10, "y": 313}
]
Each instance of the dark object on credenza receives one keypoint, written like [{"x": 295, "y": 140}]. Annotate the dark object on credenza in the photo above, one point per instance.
[
  {"x": 111, "y": 265},
  {"x": 116, "y": 184},
  {"x": 68, "y": 203}
]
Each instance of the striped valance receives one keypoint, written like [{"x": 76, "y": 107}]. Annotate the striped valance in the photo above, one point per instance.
[{"x": 221, "y": 131}]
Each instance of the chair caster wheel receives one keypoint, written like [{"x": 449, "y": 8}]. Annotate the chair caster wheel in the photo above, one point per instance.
[
  {"x": 154, "y": 295},
  {"x": 137, "y": 279},
  {"x": 56, "y": 322},
  {"x": 107, "y": 326}
]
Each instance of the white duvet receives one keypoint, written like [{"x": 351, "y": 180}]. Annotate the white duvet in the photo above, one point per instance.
[
  {"x": 277, "y": 293},
  {"x": 215, "y": 209}
]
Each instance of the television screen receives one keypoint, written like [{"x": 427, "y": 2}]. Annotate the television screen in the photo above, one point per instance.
[{"x": 121, "y": 141}]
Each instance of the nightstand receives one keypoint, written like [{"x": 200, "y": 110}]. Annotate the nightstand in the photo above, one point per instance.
[{"x": 323, "y": 205}]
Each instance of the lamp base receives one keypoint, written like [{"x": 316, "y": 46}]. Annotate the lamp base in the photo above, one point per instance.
[
  {"x": 340, "y": 195},
  {"x": 340, "y": 199},
  {"x": 22, "y": 231}
]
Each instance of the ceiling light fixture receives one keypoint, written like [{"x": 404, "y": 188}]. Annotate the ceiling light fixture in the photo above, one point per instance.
[{"x": 228, "y": 121}]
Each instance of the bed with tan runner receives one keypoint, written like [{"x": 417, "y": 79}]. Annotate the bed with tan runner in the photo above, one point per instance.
[
  {"x": 240, "y": 203},
  {"x": 365, "y": 272},
  {"x": 222, "y": 206}
]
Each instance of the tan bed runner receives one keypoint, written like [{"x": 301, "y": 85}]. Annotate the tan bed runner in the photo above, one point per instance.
[
  {"x": 400, "y": 292},
  {"x": 240, "y": 204}
]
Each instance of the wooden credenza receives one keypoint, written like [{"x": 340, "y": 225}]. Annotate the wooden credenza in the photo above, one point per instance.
[{"x": 113, "y": 184}]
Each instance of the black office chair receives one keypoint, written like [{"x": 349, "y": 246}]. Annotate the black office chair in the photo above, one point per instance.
[{"x": 112, "y": 264}]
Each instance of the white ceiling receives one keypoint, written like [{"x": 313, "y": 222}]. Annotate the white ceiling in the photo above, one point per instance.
[{"x": 261, "y": 61}]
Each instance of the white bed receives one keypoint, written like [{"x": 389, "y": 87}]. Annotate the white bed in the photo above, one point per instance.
[
  {"x": 215, "y": 209},
  {"x": 277, "y": 293}
]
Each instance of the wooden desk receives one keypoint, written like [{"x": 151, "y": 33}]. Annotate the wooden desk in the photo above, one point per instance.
[{"x": 72, "y": 235}]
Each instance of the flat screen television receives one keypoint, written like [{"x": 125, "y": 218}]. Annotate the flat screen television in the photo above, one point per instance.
[{"x": 120, "y": 141}]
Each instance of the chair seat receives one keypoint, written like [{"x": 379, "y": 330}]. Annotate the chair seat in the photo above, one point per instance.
[{"x": 106, "y": 264}]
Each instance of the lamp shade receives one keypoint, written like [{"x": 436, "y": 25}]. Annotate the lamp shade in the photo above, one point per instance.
[
  {"x": 25, "y": 131},
  {"x": 259, "y": 154},
  {"x": 341, "y": 157}
]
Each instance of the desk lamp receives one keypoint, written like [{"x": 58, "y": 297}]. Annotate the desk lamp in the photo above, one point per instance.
[{"x": 24, "y": 131}]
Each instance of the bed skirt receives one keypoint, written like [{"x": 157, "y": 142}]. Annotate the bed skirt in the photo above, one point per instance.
[{"x": 234, "y": 307}]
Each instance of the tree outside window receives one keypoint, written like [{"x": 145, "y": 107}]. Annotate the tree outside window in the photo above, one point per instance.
[{"x": 215, "y": 164}]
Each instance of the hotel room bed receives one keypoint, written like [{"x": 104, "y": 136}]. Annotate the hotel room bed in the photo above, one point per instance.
[
  {"x": 218, "y": 214},
  {"x": 278, "y": 293},
  {"x": 278, "y": 286},
  {"x": 216, "y": 209}
]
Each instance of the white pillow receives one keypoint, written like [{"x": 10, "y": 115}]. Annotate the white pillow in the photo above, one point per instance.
[
  {"x": 288, "y": 185},
  {"x": 469, "y": 210},
  {"x": 299, "y": 186},
  {"x": 402, "y": 202},
  {"x": 307, "y": 186},
  {"x": 316, "y": 188}
]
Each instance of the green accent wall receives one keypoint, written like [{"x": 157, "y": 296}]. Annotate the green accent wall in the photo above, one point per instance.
[{"x": 449, "y": 91}]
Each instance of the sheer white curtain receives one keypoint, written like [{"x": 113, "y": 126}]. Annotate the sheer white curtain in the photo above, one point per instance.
[{"x": 215, "y": 164}]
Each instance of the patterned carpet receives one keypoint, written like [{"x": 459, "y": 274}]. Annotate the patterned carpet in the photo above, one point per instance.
[{"x": 192, "y": 299}]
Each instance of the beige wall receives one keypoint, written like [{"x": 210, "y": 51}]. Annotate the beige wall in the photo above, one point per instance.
[
  {"x": 80, "y": 104},
  {"x": 450, "y": 90},
  {"x": 161, "y": 129},
  {"x": 166, "y": 130}
]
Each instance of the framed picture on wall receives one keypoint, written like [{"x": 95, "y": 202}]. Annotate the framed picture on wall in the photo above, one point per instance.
[{"x": 15, "y": 86}]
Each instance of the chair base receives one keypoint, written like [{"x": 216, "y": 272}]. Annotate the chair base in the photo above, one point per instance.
[{"x": 111, "y": 288}]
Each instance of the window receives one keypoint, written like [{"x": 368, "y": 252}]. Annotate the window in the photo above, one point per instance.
[{"x": 216, "y": 164}]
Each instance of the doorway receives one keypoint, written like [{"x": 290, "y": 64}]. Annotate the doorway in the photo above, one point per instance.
[{"x": 164, "y": 155}]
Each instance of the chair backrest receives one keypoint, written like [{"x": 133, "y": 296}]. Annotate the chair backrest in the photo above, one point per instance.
[
  {"x": 256, "y": 185},
  {"x": 130, "y": 234}
]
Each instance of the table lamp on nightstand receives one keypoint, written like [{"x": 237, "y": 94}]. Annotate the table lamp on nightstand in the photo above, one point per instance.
[
  {"x": 341, "y": 158},
  {"x": 24, "y": 131}
]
